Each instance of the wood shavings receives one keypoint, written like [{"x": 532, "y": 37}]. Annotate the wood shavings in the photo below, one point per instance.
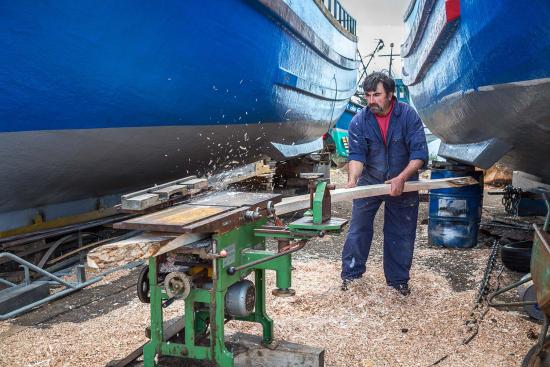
[
  {"x": 365, "y": 325},
  {"x": 91, "y": 335},
  {"x": 361, "y": 327},
  {"x": 109, "y": 278}
]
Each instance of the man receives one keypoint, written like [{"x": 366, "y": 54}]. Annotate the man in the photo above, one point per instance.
[{"x": 386, "y": 145}]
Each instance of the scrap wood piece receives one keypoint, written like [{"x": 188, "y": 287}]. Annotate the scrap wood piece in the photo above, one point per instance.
[
  {"x": 139, "y": 247},
  {"x": 296, "y": 203},
  {"x": 90, "y": 246},
  {"x": 128, "y": 250}
]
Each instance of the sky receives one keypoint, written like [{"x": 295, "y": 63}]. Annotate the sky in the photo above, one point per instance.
[{"x": 378, "y": 19}]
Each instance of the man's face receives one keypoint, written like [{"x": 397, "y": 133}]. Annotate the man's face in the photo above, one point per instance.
[{"x": 379, "y": 101}]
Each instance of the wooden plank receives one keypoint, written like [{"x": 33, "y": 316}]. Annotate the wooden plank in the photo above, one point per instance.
[
  {"x": 166, "y": 192},
  {"x": 195, "y": 184},
  {"x": 181, "y": 181},
  {"x": 157, "y": 195},
  {"x": 173, "y": 219},
  {"x": 297, "y": 203},
  {"x": 140, "y": 202},
  {"x": 138, "y": 247},
  {"x": 219, "y": 223}
]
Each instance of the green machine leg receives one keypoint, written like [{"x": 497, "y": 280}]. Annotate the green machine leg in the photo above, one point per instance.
[
  {"x": 151, "y": 349},
  {"x": 196, "y": 324},
  {"x": 221, "y": 355},
  {"x": 260, "y": 314}
]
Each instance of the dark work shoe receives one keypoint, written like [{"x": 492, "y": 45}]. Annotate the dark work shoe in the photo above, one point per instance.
[
  {"x": 346, "y": 283},
  {"x": 403, "y": 289}
]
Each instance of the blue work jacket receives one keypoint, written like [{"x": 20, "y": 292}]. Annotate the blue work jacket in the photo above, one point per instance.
[{"x": 405, "y": 141}]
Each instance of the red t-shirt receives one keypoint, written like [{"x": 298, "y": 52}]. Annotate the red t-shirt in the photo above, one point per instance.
[{"x": 384, "y": 122}]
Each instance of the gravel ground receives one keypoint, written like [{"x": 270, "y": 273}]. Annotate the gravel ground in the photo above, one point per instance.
[{"x": 369, "y": 325}]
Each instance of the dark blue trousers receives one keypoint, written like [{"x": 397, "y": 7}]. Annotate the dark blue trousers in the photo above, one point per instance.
[{"x": 400, "y": 216}]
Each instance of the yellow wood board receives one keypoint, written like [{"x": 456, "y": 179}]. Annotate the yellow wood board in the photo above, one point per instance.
[{"x": 180, "y": 215}]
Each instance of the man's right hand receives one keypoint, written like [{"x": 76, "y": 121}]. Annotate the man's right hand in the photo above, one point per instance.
[{"x": 351, "y": 184}]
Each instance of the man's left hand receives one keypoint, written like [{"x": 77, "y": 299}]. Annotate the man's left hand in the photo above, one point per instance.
[{"x": 397, "y": 186}]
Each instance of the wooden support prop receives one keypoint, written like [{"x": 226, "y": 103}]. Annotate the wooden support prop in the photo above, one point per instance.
[
  {"x": 296, "y": 203},
  {"x": 139, "y": 247}
]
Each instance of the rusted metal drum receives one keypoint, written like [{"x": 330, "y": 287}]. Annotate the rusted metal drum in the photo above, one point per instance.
[{"x": 540, "y": 268}]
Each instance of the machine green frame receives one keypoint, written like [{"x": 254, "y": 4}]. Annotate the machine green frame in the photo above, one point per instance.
[
  {"x": 243, "y": 247},
  {"x": 244, "y": 252}
]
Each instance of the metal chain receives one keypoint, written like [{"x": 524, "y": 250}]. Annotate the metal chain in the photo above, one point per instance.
[
  {"x": 491, "y": 261},
  {"x": 481, "y": 307},
  {"x": 511, "y": 198}
]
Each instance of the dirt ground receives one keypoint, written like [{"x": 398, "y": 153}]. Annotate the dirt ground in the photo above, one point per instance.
[{"x": 369, "y": 325}]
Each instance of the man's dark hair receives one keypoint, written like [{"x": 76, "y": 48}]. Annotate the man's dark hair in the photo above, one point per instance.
[{"x": 372, "y": 80}]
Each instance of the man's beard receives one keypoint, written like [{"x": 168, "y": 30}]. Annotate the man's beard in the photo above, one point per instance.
[{"x": 376, "y": 108}]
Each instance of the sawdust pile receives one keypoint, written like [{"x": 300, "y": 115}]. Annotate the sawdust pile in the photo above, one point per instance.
[
  {"x": 92, "y": 335},
  {"x": 373, "y": 325},
  {"x": 369, "y": 325},
  {"x": 112, "y": 277}
]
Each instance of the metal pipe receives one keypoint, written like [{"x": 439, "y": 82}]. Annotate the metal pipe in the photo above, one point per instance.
[
  {"x": 35, "y": 268},
  {"x": 80, "y": 274},
  {"x": 506, "y": 289},
  {"x": 66, "y": 291},
  {"x": 7, "y": 282},
  {"x": 58, "y": 243},
  {"x": 547, "y": 220},
  {"x": 232, "y": 270},
  {"x": 516, "y": 228},
  {"x": 27, "y": 280}
]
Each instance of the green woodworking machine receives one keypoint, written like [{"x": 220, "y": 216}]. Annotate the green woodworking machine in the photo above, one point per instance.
[{"x": 217, "y": 263}]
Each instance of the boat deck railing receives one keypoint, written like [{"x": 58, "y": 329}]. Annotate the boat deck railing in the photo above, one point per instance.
[{"x": 341, "y": 15}]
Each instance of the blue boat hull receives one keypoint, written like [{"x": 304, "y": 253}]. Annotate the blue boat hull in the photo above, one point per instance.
[
  {"x": 100, "y": 98},
  {"x": 478, "y": 74}
]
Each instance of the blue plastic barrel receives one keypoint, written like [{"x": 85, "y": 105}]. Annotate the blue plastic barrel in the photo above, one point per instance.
[{"x": 455, "y": 213}]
